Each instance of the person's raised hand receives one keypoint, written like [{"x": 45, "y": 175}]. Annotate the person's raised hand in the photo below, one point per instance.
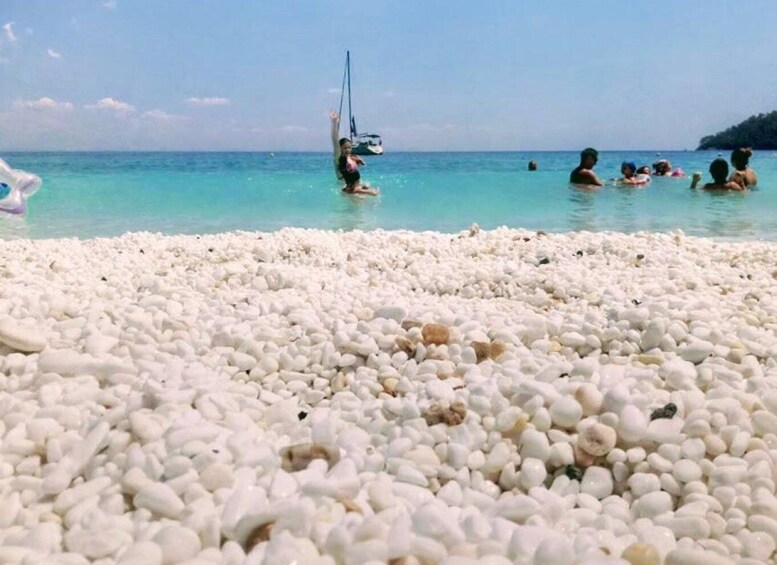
[
  {"x": 333, "y": 115},
  {"x": 697, "y": 176}
]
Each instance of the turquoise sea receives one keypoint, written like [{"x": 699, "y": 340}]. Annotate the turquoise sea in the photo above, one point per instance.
[{"x": 107, "y": 194}]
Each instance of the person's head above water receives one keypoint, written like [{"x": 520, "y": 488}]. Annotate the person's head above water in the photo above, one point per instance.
[
  {"x": 662, "y": 167},
  {"x": 345, "y": 146},
  {"x": 532, "y": 165},
  {"x": 741, "y": 157},
  {"x": 588, "y": 157},
  {"x": 628, "y": 169},
  {"x": 643, "y": 170},
  {"x": 719, "y": 170}
]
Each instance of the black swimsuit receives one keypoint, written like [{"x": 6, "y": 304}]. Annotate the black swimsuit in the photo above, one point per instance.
[{"x": 351, "y": 176}]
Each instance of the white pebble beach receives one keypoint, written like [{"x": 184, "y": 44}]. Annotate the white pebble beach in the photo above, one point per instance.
[{"x": 321, "y": 398}]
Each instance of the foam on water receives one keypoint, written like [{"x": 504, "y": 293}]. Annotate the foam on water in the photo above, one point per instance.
[{"x": 107, "y": 194}]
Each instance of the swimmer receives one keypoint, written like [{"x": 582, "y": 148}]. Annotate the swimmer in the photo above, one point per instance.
[
  {"x": 663, "y": 168},
  {"x": 644, "y": 170},
  {"x": 583, "y": 173},
  {"x": 532, "y": 165},
  {"x": 630, "y": 176},
  {"x": 348, "y": 167},
  {"x": 719, "y": 172},
  {"x": 743, "y": 174}
]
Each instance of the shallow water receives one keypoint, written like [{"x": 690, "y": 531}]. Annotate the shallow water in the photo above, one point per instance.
[{"x": 107, "y": 194}]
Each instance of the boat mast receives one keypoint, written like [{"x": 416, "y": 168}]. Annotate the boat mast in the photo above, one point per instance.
[{"x": 350, "y": 113}]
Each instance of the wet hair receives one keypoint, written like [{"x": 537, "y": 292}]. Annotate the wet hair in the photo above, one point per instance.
[
  {"x": 629, "y": 165},
  {"x": 343, "y": 140},
  {"x": 589, "y": 152},
  {"x": 741, "y": 157},
  {"x": 719, "y": 170},
  {"x": 644, "y": 170},
  {"x": 532, "y": 165},
  {"x": 662, "y": 167}
]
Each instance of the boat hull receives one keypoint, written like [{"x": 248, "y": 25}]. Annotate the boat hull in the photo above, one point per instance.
[{"x": 365, "y": 149}]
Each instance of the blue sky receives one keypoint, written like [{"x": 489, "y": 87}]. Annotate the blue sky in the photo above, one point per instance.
[{"x": 428, "y": 75}]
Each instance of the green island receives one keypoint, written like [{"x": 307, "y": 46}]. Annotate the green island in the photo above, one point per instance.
[{"x": 758, "y": 132}]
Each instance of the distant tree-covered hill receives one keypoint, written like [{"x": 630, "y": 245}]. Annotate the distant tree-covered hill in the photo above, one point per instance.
[{"x": 758, "y": 132}]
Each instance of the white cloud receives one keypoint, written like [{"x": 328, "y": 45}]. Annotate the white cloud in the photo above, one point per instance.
[
  {"x": 110, "y": 4},
  {"x": 111, "y": 104},
  {"x": 160, "y": 116},
  {"x": 44, "y": 103},
  {"x": 207, "y": 101},
  {"x": 53, "y": 54},
  {"x": 8, "y": 29}
]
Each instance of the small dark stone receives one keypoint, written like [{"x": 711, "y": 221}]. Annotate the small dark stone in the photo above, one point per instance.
[
  {"x": 563, "y": 375},
  {"x": 210, "y": 250},
  {"x": 527, "y": 239},
  {"x": 544, "y": 261},
  {"x": 142, "y": 252},
  {"x": 573, "y": 472},
  {"x": 540, "y": 232},
  {"x": 667, "y": 411},
  {"x": 636, "y": 302},
  {"x": 579, "y": 253},
  {"x": 640, "y": 256},
  {"x": 302, "y": 415},
  {"x": 103, "y": 279}
]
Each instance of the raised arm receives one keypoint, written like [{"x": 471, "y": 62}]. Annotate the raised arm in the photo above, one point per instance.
[
  {"x": 695, "y": 179},
  {"x": 335, "y": 118}
]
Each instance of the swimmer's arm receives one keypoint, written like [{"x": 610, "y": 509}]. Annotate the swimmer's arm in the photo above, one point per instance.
[
  {"x": 359, "y": 160},
  {"x": 362, "y": 190},
  {"x": 335, "y": 117},
  {"x": 695, "y": 180},
  {"x": 589, "y": 177}
]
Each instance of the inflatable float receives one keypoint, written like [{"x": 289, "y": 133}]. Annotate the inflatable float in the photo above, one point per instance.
[{"x": 15, "y": 188}]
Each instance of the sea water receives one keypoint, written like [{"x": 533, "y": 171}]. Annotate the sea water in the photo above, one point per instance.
[{"x": 106, "y": 194}]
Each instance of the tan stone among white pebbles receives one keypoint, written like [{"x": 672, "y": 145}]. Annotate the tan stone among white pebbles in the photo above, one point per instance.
[
  {"x": 15, "y": 336},
  {"x": 597, "y": 439},
  {"x": 641, "y": 554}
]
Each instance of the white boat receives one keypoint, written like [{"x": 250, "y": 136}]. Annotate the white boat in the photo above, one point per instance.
[{"x": 361, "y": 143}]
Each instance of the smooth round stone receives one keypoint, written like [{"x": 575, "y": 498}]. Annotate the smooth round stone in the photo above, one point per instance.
[
  {"x": 554, "y": 551},
  {"x": 565, "y": 412},
  {"x": 590, "y": 398},
  {"x": 632, "y": 425},
  {"x": 535, "y": 444},
  {"x": 533, "y": 473},
  {"x": 686, "y": 471},
  {"x": 142, "y": 553},
  {"x": 396, "y": 313},
  {"x": 20, "y": 338},
  {"x": 655, "y": 503},
  {"x": 177, "y": 544},
  {"x": 598, "y": 482}
]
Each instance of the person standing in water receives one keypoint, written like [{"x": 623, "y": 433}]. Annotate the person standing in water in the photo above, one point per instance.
[
  {"x": 743, "y": 174},
  {"x": 583, "y": 173},
  {"x": 348, "y": 166},
  {"x": 719, "y": 172},
  {"x": 532, "y": 165}
]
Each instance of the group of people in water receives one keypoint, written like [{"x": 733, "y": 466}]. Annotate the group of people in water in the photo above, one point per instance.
[{"x": 742, "y": 178}]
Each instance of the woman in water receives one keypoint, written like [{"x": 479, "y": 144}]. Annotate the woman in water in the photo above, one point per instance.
[
  {"x": 348, "y": 167},
  {"x": 719, "y": 172},
  {"x": 663, "y": 168},
  {"x": 630, "y": 176},
  {"x": 743, "y": 174}
]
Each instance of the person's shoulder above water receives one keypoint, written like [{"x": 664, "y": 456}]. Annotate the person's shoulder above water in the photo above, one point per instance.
[{"x": 583, "y": 173}]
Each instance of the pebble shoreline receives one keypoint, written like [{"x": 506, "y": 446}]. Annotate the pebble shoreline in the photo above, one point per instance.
[{"x": 324, "y": 397}]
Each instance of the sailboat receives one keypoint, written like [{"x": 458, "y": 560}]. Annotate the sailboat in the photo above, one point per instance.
[{"x": 361, "y": 143}]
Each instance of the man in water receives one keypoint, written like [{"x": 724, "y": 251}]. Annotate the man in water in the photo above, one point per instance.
[
  {"x": 583, "y": 173},
  {"x": 532, "y": 165}
]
